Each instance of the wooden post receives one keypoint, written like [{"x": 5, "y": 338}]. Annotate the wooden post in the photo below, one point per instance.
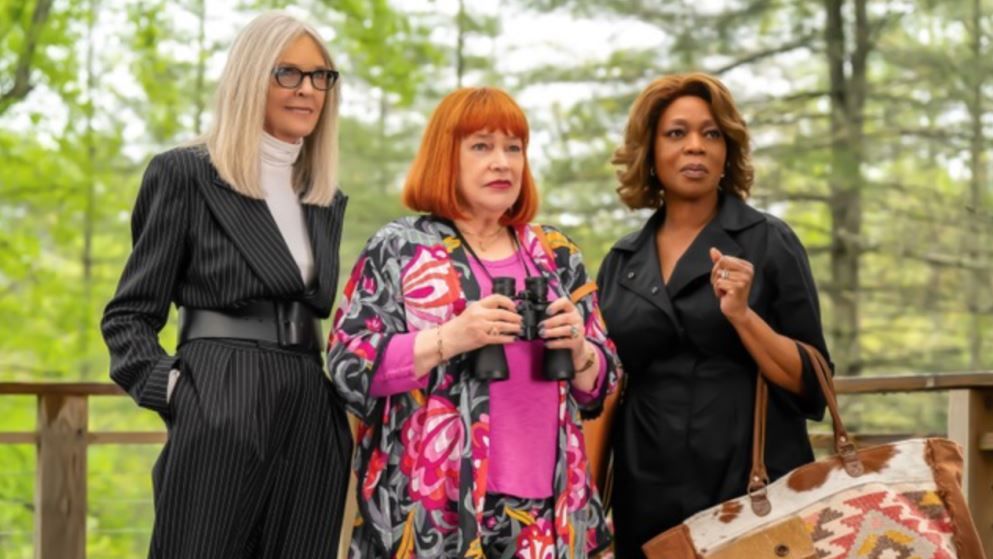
[
  {"x": 60, "y": 488},
  {"x": 970, "y": 419}
]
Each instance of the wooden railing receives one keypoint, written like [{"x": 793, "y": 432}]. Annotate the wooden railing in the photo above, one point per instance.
[{"x": 62, "y": 438}]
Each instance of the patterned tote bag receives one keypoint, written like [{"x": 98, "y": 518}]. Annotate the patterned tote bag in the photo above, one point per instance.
[{"x": 902, "y": 500}]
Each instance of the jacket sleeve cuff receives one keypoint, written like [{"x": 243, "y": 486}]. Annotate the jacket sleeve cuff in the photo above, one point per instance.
[
  {"x": 153, "y": 392},
  {"x": 811, "y": 404},
  {"x": 584, "y": 398}
]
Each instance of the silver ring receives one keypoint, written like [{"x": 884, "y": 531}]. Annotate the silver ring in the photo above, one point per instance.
[
  {"x": 573, "y": 332},
  {"x": 725, "y": 274}
]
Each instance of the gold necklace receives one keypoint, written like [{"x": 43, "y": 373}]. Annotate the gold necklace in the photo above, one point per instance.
[{"x": 484, "y": 240}]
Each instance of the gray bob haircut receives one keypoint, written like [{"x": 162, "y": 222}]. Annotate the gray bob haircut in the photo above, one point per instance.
[{"x": 234, "y": 139}]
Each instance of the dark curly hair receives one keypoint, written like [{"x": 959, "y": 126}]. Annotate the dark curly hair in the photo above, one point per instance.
[{"x": 634, "y": 159}]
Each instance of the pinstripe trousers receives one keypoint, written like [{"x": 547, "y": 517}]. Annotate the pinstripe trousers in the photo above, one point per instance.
[{"x": 256, "y": 464}]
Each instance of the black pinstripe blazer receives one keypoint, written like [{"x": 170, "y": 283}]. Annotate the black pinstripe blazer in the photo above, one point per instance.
[{"x": 198, "y": 243}]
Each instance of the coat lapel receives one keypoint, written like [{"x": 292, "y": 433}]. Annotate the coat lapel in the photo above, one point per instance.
[
  {"x": 252, "y": 229},
  {"x": 324, "y": 226},
  {"x": 732, "y": 216},
  {"x": 643, "y": 273},
  {"x": 696, "y": 262},
  {"x": 458, "y": 256},
  {"x": 529, "y": 242}
]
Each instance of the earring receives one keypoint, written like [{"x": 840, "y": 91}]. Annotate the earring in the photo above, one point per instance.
[{"x": 651, "y": 172}]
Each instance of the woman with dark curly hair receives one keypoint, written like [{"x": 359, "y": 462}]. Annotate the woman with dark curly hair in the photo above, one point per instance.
[{"x": 709, "y": 292}]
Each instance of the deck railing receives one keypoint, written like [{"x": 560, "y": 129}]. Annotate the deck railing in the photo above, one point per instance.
[{"x": 62, "y": 438}]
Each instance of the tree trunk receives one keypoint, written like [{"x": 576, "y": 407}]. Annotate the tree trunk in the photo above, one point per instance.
[
  {"x": 89, "y": 215},
  {"x": 977, "y": 291},
  {"x": 460, "y": 46},
  {"x": 22, "y": 73},
  {"x": 199, "y": 97},
  {"x": 847, "y": 98},
  {"x": 383, "y": 170}
]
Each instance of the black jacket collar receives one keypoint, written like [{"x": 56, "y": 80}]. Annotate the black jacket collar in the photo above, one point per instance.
[
  {"x": 642, "y": 272},
  {"x": 733, "y": 215}
]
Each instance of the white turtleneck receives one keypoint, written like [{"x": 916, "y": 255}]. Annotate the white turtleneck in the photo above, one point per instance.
[{"x": 284, "y": 204}]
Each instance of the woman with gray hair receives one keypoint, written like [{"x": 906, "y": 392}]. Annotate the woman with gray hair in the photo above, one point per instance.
[{"x": 240, "y": 230}]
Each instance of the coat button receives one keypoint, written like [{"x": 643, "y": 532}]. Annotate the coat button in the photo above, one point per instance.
[
  {"x": 655, "y": 289},
  {"x": 782, "y": 550},
  {"x": 630, "y": 275}
]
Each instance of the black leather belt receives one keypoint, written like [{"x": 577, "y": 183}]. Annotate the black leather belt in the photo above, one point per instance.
[{"x": 290, "y": 325}]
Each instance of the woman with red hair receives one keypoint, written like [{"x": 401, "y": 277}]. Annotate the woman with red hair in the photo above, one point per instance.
[{"x": 470, "y": 442}]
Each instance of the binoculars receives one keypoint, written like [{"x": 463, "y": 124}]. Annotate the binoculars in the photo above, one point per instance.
[{"x": 490, "y": 362}]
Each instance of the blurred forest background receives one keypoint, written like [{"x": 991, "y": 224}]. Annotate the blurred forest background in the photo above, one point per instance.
[{"x": 871, "y": 126}]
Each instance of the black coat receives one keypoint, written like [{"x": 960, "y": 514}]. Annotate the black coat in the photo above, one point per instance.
[
  {"x": 684, "y": 429},
  {"x": 199, "y": 243}
]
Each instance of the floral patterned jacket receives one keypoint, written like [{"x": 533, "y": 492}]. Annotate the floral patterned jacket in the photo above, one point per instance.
[{"x": 422, "y": 456}]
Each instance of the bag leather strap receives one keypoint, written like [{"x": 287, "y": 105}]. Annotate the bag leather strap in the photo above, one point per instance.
[{"x": 758, "y": 477}]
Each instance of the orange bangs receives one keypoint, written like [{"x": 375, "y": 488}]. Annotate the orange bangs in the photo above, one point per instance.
[{"x": 431, "y": 184}]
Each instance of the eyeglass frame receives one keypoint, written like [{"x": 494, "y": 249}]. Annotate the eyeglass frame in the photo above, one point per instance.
[{"x": 335, "y": 75}]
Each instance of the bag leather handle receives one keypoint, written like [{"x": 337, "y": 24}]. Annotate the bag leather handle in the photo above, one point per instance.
[{"x": 758, "y": 477}]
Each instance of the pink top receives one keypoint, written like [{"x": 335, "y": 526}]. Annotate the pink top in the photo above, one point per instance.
[{"x": 523, "y": 408}]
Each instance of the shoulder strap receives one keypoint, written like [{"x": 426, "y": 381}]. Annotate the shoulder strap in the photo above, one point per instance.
[
  {"x": 543, "y": 239},
  {"x": 581, "y": 291},
  {"x": 758, "y": 477}
]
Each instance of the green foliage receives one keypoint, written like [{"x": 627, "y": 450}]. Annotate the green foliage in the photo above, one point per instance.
[
  {"x": 17, "y": 474},
  {"x": 169, "y": 84},
  {"x": 387, "y": 50},
  {"x": 54, "y": 60},
  {"x": 916, "y": 276},
  {"x": 67, "y": 190},
  {"x": 74, "y": 147}
]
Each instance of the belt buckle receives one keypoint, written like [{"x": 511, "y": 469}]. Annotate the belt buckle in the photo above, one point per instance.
[{"x": 289, "y": 334}]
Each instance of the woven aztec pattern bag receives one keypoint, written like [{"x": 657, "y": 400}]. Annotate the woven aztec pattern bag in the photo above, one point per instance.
[{"x": 895, "y": 501}]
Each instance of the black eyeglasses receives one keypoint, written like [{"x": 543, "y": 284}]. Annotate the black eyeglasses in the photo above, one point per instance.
[{"x": 289, "y": 77}]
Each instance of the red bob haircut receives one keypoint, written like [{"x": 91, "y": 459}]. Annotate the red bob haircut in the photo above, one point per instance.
[{"x": 431, "y": 184}]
